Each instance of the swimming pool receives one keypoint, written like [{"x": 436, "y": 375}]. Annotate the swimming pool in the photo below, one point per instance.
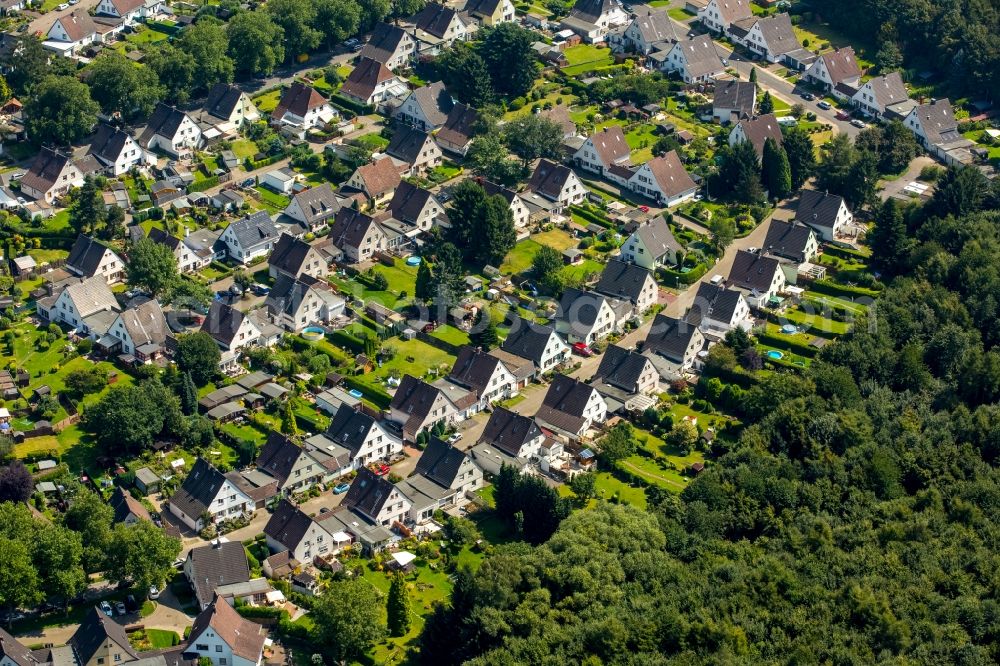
[
  {"x": 313, "y": 333},
  {"x": 789, "y": 328},
  {"x": 775, "y": 354},
  {"x": 356, "y": 393},
  {"x": 413, "y": 260}
]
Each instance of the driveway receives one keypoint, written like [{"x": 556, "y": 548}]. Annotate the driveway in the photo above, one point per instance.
[
  {"x": 45, "y": 21},
  {"x": 894, "y": 188}
]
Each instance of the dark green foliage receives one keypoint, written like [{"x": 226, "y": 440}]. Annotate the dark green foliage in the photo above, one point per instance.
[
  {"x": 618, "y": 444},
  {"x": 482, "y": 225},
  {"x": 128, "y": 417},
  {"x": 398, "y": 607},
  {"x": 738, "y": 175},
  {"x": 546, "y": 268},
  {"x": 188, "y": 395},
  {"x": 198, "y": 355},
  {"x": 776, "y": 172},
  {"x": 801, "y": 157},
  {"x": 528, "y": 504},
  {"x": 59, "y": 111}
]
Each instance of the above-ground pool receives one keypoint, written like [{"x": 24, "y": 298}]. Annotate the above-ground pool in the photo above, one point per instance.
[
  {"x": 775, "y": 354},
  {"x": 313, "y": 333},
  {"x": 789, "y": 328},
  {"x": 356, "y": 393},
  {"x": 413, "y": 260}
]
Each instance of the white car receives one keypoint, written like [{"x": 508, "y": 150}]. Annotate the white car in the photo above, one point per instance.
[
  {"x": 860, "y": 124},
  {"x": 62, "y": 6},
  {"x": 154, "y": 592},
  {"x": 106, "y": 608},
  {"x": 454, "y": 438}
]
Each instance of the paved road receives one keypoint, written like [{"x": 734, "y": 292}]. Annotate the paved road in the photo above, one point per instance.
[
  {"x": 894, "y": 187},
  {"x": 45, "y": 21}
]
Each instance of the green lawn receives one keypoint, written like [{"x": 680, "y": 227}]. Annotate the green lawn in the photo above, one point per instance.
[
  {"x": 676, "y": 13},
  {"x": 401, "y": 277},
  {"x": 244, "y": 432},
  {"x": 373, "y": 141},
  {"x": 147, "y": 35},
  {"x": 451, "y": 334},
  {"x": 268, "y": 101},
  {"x": 586, "y": 57},
  {"x": 444, "y": 172},
  {"x": 608, "y": 487},
  {"x": 805, "y": 319},
  {"x": 271, "y": 200},
  {"x": 519, "y": 258},
  {"x": 582, "y": 270},
  {"x": 153, "y": 639},
  {"x": 641, "y": 140},
  {"x": 244, "y": 148},
  {"x": 413, "y": 357}
]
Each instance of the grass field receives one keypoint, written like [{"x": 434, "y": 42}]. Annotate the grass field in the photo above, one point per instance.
[
  {"x": 271, "y": 200},
  {"x": 451, "y": 335},
  {"x": 268, "y": 101},
  {"x": 678, "y": 14},
  {"x": 585, "y": 57},
  {"x": 373, "y": 141},
  {"x": 519, "y": 258},
  {"x": 244, "y": 148}
]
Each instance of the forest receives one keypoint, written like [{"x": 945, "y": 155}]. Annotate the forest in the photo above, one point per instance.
[{"x": 853, "y": 522}]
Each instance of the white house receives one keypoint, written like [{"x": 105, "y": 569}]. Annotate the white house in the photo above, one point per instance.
[
  {"x": 375, "y": 498},
  {"x": 225, "y": 638},
  {"x": 437, "y": 27},
  {"x": 53, "y": 173},
  {"x": 357, "y": 235},
  {"x": 507, "y": 438},
  {"x": 483, "y": 374},
  {"x": 314, "y": 207},
  {"x": 443, "y": 478},
  {"x": 770, "y": 36},
  {"x": 491, "y": 12},
  {"x": 390, "y": 45},
  {"x": 834, "y": 68},
  {"x": 718, "y": 15},
  {"x": 557, "y": 183},
  {"x": 757, "y": 131},
  {"x": 171, "y": 131},
  {"x": 426, "y": 108},
  {"x": 418, "y": 207},
  {"x": 936, "y": 128},
  {"x": 418, "y": 406},
  {"x": 141, "y": 331},
  {"x": 593, "y": 19},
  {"x": 652, "y": 245},
  {"x": 116, "y": 150},
  {"x": 301, "y": 107},
  {"x": 377, "y": 180},
  {"x": 518, "y": 209},
  {"x": 207, "y": 493},
  {"x": 416, "y": 148},
  {"x": 650, "y": 32},
  {"x": 628, "y": 371},
  {"x": 630, "y": 282},
  {"x": 664, "y": 180},
  {"x": 571, "y": 407},
  {"x": 759, "y": 277},
  {"x": 230, "y": 328},
  {"x": 673, "y": 345},
  {"x": 89, "y": 258},
  {"x": 791, "y": 240},
  {"x": 603, "y": 150},
  {"x": 718, "y": 309},
  {"x": 279, "y": 180},
  {"x": 88, "y": 306},
  {"x": 128, "y": 10},
  {"x": 371, "y": 83},
  {"x": 588, "y": 317},
  {"x": 880, "y": 92},
  {"x": 366, "y": 439},
  {"x": 250, "y": 237},
  {"x": 695, "y": 60},
  {"x": 294, "y": 303},
  {"x": 228, "y": 104},
  {"x": 70, "y": 32},
  {"x": 826, "y": 213},
  {"x": 537, "y": 343},
  {"x": 291, "y": 529}
]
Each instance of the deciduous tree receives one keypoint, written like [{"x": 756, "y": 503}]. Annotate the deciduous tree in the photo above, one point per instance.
[
  {"x": 123, "y": 87},
  {"x": 59, "y": 111},
  {"x": 256, "y": 43},
  {"x": 347, "y": 620},
  {"x": 198, "y": 354},
  {"x": 152, "y": 266}
]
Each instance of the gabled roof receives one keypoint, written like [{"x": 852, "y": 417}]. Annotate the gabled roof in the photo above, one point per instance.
[
  {"x": 108, "y": 143},
  {"x": 145, "y": 323},
  {"x": 818, "y": 209},
  {"x": 222, "y": 100},
  {"x": 14, "y": 650},
  {"x": 222, "y": 323},
  {"x": 92, "y": 295},
  {"x": 407, "y": 143},
  {"x": 580, "y": 309},
  {"x": 623, "y": 280},
  {"x": 254, "y": 229},
  {"x": 733, "y": 10},
  {"x": 564, "y": 403},
  {"x": 199, "y": 489},
  {"x": 125, "y": 505},
  {"x": 288, "y": 524},
  {"x": 434, "y": 19},
  {"x": 713, "y": 301},
  {"x": 752, "y": 270},
  {"x": 384, "y": 41},
  {"x": 415, "y": 398},
  {"x": 45, "y": 169},
  {"x": 610, "y": 145},
  {"x": 245, "y": 638},
  {"x": 559, "y": 114},
  {"x": 365, "y": 77},
  {"x": 349, "y": 428},
  {"x": 669, "y": 337},
  {"x": 409, "y": 201},
  {"x": 787, "y": 239},
  {"x": 473, "y": 369},
  {"x": 493, "y": 190},
  {"x": 124, "y": 7},
  {"x": 888, "y": 89},
  {"x": 287, "y": 293},
  {"x": 740, "y": 96},
  {"x": 841, "y": 65},
  {"x": 777, "y": 32},
  {"x": 670, "y": 176},
  {"x": 165, "y": 122},
  {"x": 78, "y": 24},
  {"x": 758, "y": 130},
  {"x": 509, "y": 431},
  {"x": 92, "y": 633},
  {"x": 440, "y": 462},
  {"x": 299, "y": 99},
  {"x": 549, "y": 179},
  {"x": 937, "y": 119},
  {"x": 215, "y": 565},
  {"x": 318, "y": 203},
  {"x": 592, "y": 10},
  {"x": 369, "y": 493},
  {"x": 657, "y": 238},
  {"x": 350, "y": 227},
  {"x": 458, "y": 128},
  {"x": 482, "y": 7},
  {"x": 621, "y": 368},
  {"x": 434, "y": 101},
  {"x": 656, "y": 27},
  {"x": 700, "y": 55},
  {"x": 289, "y": 254},
  {"x": 379, "y": 176},
  {"x": 278, "y": 456},
  {"x": 85, "y": 257},
  {"x": 527, "y": 339}
]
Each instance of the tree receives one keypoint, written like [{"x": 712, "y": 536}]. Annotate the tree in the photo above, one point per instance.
[
  {"x": 128, "y": 417},
  {"x": 739, "y": 173},
  {"x": 198, "y": 354},
  {"x": 16, "y": 484},
  {"x": 533, "y": 136},
  {"x": 288, "y": 424},
  {"x": 57, "y": 557},
  {"x": 509, "y": 58},
  {"x": 684, "y": 435},
  {"x": 960, "y": 191},
  {"x": 489, "y": 157},
  {"x": 338, "y": 20},
  {"x": 373, "y": 11},
  {"x": 528, "y": 504},
  {"x": 19, "y": 584},
  {"x": 723, "y": 232},
  {"x": 766, "y": 103},
  {"x": 861, "y": 185},
  {"x": 59, "y": 111},
  {"x": 482, "y": 224},
  {"x": 801, "y": 155},
  {"x": 152, "y": 267},
  {"x": 738, "y": 340},
  {"x": 618, "y": 444},
  {"x": 207, "y": 44},
  {"x": 465, "y": 73},
  {"x": 584, "y": 485},
  {"x": 114, "y": 223},
  {"x": 424, "y": 287},
  {"x": 187, "y": 294},
  {"x": 91, "y": 517},
  {"x": 122, "y": 87},
  {"x": 380, "y": 282},
  {"x": 777, "y": 174},
  {"x": 889, "y": 58},
  {"x": 484, "y": 332},
  {"x": 295, "y": 18},
  {"x": 85, "y": 381},
  {"x": 460, "y": 531},
  {"x": 546, "y": 268},
  {"x": 753, "y": 75},
  {"x": 347, "y": 620},
  {"x": 398, "y": 607},
  {"x": 87, "y": 211},
  {"x": 256, "y": 43},
  {"x": 143, "y": 555},
  {"x": 888, "y": 239},
  {"x": 838, "y": 159},
  {"x": 175, "y": 70},
  {"x": 188, "y": 395}
]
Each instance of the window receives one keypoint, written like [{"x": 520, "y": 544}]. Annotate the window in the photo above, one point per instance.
[
  {"x": 218, "y": 648},
  {"x": 201, "y": 647}
]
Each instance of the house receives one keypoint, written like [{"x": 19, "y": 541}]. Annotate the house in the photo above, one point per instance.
[
  {"x": 291, "y": 529},
  {"x": 53, "y": 173},
  {"x": 672, "y": 345},
  {"x": 834, "y": 68},
  {"x": 281, "y": 180},
  {"x": 559, "y": 114},
  {"x": 127, "y": 10},
  {"x": 390, "y": 45},
  {"x": 371, "y": 83},
  {"x": 294, "y": 303},
  {"x": 415, "y": 147},
  {"x": 628, "y": 281},
  {"x": 791, "y": 240},
  {"x": 418, "y": 406},
  {"x": 442, "y": 479},
  {"x": 87, "y": 305},
  {"x": 364, "y": 437},
  {"x": 116, "y": 150},
  {"x": 733, "y": 100},
  {"x": 758, "y": 276},
  {"x": 508, "y": 438},
  {"x": 695, "y": 59},
  {"x": 314, "y": 207},
  {"x": 627, "y": 371},
  {"x": 88, "y": 258},
  {"x": 302, "y": 108},
  {"x": 377, "y": 180},
  {"x": 588, "y": 317},
  {"x": 757, "y": 131},
  {"x": 664, "y": 180},
  {"x": 375, "y": 498},
  {"x": 207, "y": 494},
  {"x": 172, "y": 131},
  {"x": 537, "y": 343},
  {"x": 141, "y": 331},
  {"x": 457, "y": 132},
  {"x": 718, "y": 15},
  {"x": 771, "y": 37},
  {"x": 518, "y": 208},
  {"x": 71, "y": 32},
  {"x": 593, "y": 19},
  {"x": 249, "y": 237},
  {"x": 649, "y": 32},
  {"x": 357, "y": 235},
  {"x": 226, "y": 201},
  {"x": 295, "y": 257},
  {"x": 426, "y": 108},
  {"x": 571, "y": 407},
  {"x": 223, "y": 637},
  {"x": 289, "y": 465},
  {"x": 15, "y": 653},
  {"x": 652, "y": 245},
  {"x": 557, "y": 183},
  {"x": 826, "y": 213},
  {"x": 936, "y": 128},
  {"x": 417, "y": 207},
  {"x": 193, "y": 252},
  {"x": 483, "y": 374},
  {"x": 228, "y": 104},
  {"x": 437, "y": 27},
  {"x": 229, "y": 327},
  {"x": 717, "y": 309},
  {"x": 879, "y": 93},
  {"x": 491, "y": 12},
  {"x": 127, "y": 509},
  {"x": 603, "y": 150},
  {"x": 98, "y": 640}
]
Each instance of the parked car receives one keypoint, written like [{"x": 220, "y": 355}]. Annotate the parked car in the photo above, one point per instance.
[
  {"x": 260, "y": 289},
  {"x": 341, "y": 488},
  {"x": 454, "y": 438},
  {"x": 581, "y": 349},
  {"x": 62, "y": 6},
  {"x": 808, "y": 96},
  {"x": 236, "y": 290},
  {"x": 154, "y": 592},
  {"x": 843, "y": 115},
  {"x": 130, "y": 604},
  {"x": 106, "y": 608},
  {"x": 120, "y": 608},
  {"x": 860, "y": 124},
  {"x": 825, "y": 105},
  {"x": 380, "y": 469}
]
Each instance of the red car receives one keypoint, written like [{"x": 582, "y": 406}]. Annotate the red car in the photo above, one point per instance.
[
  {"x": 582, "y": 349},
  {"x": 841, "y": 115},
  {"x": 380, "y": 469}
]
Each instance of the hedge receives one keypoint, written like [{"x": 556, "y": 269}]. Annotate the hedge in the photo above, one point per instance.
[
  {"x": 251, "y": 165},
  {"x": 348, "y": 341},
  {"x": 690, "y": 277},
  {"x": 590, "y": 216},
  {"x": 845, "y": 253},
  {"x": 786, "y": 343},
  {"x": 356, "y": 108},
  {"x": 376, "y": 396},
  {"x": 812, "y": 330},
  {"x": 831, "y": 288},
  {"x": 202, "y": 185}
]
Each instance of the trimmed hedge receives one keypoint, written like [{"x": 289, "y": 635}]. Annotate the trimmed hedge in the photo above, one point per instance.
[
  {"x": 348, "y": 341},
  {"x": 831, "y": 288},
  {"x": 690, "y": 277},
  {"x": 845, "y": 253},
  {"x": 786, "y": 344},
  {"x": 376, "y": 396},
  {"x": 203, "y": 185},
  {"x": 356, "y": 108},
  {"x": 591, "y": 216}
]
